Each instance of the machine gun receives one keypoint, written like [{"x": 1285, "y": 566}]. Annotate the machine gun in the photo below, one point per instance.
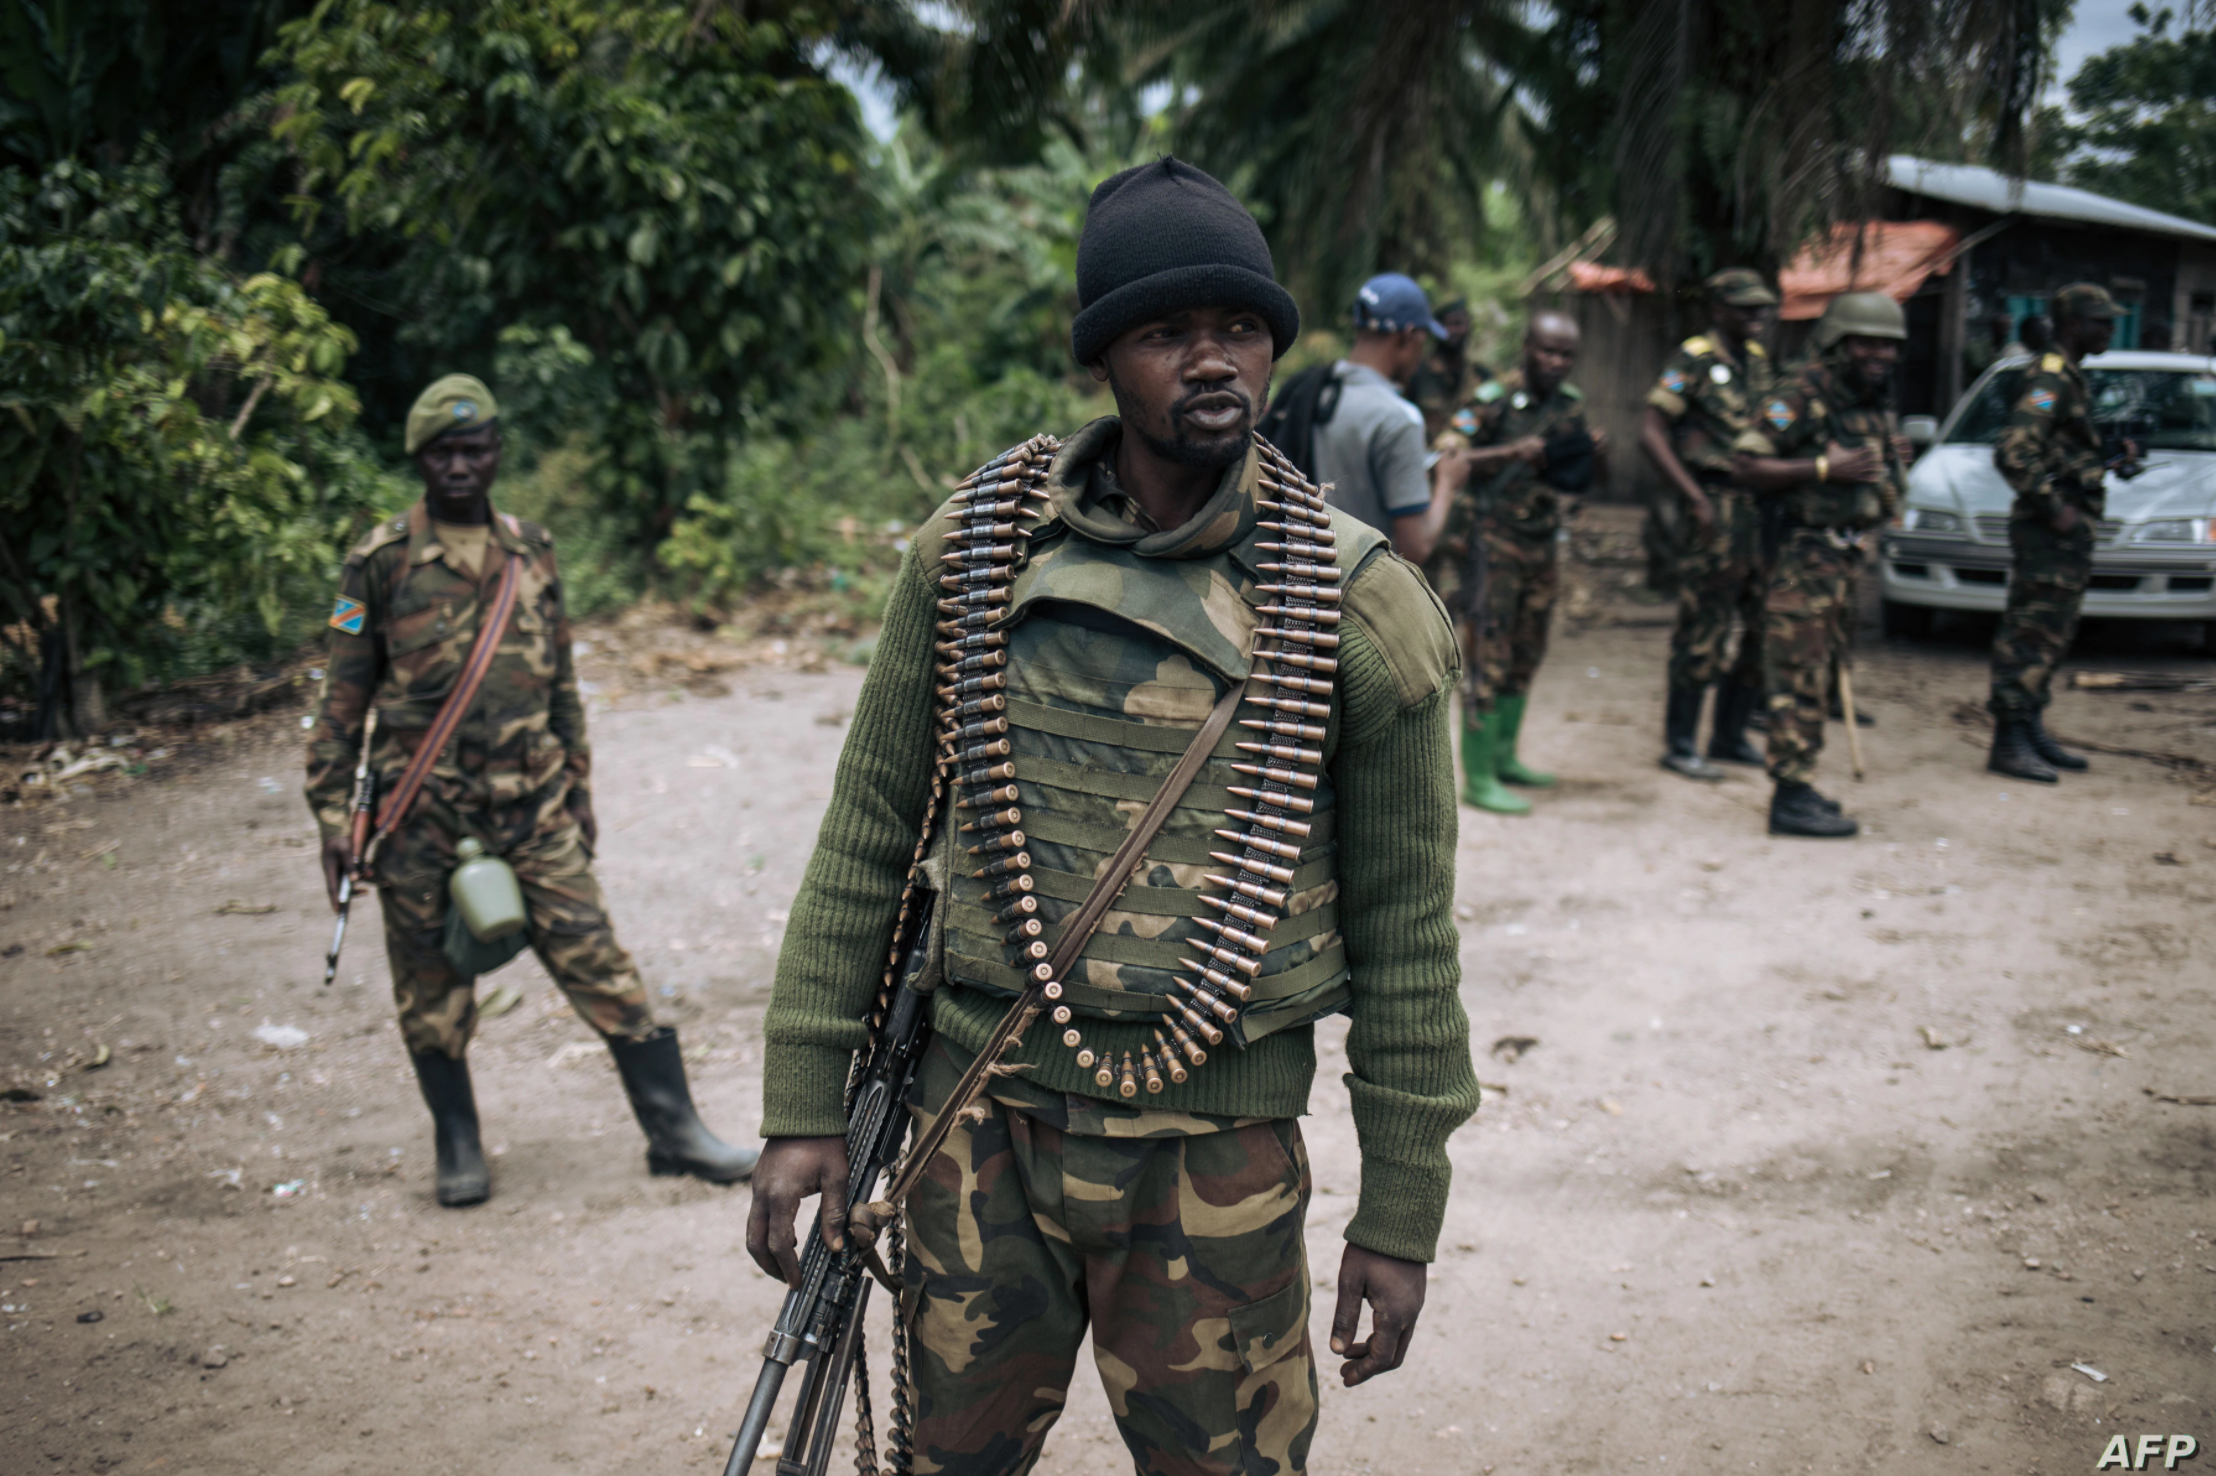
[{"x": 821, "y": 1321}]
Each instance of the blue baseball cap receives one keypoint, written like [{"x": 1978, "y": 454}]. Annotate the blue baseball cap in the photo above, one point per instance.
[{"x": 1390, "y": 302}]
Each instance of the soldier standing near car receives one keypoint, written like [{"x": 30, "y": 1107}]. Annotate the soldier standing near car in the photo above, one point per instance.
[
  {"x": 1824, "y": 449},
  {"x": 2051, "y": 455},
  {"x": 515, "y": 777},
  {"x": 1699, "y": 407},
  {"x": 1530, "y": 448},
  {"x": 1142, "y": 1171}
]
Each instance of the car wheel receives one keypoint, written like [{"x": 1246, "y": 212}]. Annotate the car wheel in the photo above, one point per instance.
[{"x": 1907, "y": 622}]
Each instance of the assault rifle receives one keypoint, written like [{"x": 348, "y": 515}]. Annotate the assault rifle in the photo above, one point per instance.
[
  {"x": 365, "y": 799},
  {"x": 821, "y": 1321}
]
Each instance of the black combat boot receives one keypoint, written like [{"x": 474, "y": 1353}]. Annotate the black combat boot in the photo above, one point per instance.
[
  {"x": 1796, "y": 809},
  {"x": 463, "y": 1179},
  {"x": 1681, "y": 734},
  {"x": 677, "y": 1142},
  {"x": 1837, "y": 712},
  {"x": 2043, "y": 743},
  {"x": 2014, "y": 755},
  {"x": 1727, "y": 743}
]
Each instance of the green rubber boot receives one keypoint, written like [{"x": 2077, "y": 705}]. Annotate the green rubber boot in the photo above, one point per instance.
[
  {"x": 1505, "y": 763},
  {"x": 1481, "y": 784}
]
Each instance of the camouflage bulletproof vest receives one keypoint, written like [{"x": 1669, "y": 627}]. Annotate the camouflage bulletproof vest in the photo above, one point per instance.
[{"x": 1114, "y": 661}]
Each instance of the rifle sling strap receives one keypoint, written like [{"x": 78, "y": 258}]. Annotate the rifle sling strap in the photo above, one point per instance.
[
  {"x": 401, "y": 800},
  {"x": 1076, "y": 930}
]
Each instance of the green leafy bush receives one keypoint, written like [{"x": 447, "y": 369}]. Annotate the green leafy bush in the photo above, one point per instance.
[{"x": 175, "y": 436}]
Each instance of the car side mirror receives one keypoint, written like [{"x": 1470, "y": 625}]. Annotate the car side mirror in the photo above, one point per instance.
[{"x": 1921, "y": 431}]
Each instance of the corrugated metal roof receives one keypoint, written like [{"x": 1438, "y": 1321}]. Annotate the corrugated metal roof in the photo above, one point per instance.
[{"x": 1989, "y": 189}]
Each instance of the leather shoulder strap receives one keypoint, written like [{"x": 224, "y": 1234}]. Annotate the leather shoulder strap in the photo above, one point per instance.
[
  {"x": 1117, "y": 874},
  {"x": 1079, "y": 927},
  {"x": 401, "y": 800}
]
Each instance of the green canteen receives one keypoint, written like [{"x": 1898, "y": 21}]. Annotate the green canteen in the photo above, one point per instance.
[{"x": 485, "y": 892}]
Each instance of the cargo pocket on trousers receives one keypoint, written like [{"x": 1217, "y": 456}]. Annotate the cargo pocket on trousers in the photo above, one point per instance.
[{"x": 1267, "y": 1329}]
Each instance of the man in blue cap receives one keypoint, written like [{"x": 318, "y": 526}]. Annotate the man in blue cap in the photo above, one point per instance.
[{"x": 1370, "y": 454}]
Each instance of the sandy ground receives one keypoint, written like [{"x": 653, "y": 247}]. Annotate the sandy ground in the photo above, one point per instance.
[{"x": 1827, "y": 1156}]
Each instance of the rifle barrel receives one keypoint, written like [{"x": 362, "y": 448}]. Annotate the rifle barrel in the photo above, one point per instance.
[{"x": 756, "y": 1423}]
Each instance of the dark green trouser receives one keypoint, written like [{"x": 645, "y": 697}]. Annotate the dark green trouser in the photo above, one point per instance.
[
  {"x": 1184, "y": 1255},
  {"x": 1803, "y": 634},
  {"x": 568, "y": 927},
  {"x": 1720, "y": 579},
  {"x": 2046, "y": 588}
]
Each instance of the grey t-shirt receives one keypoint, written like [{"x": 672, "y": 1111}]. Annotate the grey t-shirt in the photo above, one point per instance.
[{"x": 1371, "y": 453}]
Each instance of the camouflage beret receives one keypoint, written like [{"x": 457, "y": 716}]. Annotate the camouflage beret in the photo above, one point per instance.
[
  {"x": 2084, "y": 300},
  {"x": 1740, "y": 287},
  {"x": 458, "y": 402}
]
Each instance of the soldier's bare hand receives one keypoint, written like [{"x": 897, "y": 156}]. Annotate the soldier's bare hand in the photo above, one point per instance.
[
  {"x": 1395, "y": 1291},
  {"x": 2066, "y": 520},
  {"x": 791, "y": 1170},
  {"x": 1703, "y": 512},
  {"x": 338, "y": 855},
  {"x": 1531, "y": 451},
  {"x": 1862, "y": 464}
]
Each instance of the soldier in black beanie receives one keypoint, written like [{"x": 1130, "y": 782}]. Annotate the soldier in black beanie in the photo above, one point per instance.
[{"x": 1077, "y": 616}]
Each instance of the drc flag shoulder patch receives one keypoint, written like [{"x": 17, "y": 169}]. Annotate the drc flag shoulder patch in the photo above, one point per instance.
[
  {"x": 1779, "y": 414},
  {"x": 2042, "y": 400},
  {"x": 1676, "y": 382},
  {"x": 348, "y": 616}
]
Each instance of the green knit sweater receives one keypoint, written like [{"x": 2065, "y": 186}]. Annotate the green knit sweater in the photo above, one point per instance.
[{"x": 1408, "y": 1046}]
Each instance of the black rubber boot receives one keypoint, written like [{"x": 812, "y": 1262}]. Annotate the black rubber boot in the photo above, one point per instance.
[
  {"x": 1796, "y": 809},
  {"x": 2014, "y": 755},
  {"x": 677, "y": 1142},
  {"x": 1681, "y": 735},
  {"x": 2043, "y": 744},
  {"x": 463, "y": 1178},
  {"x": 1837, "y": 712},
  {"x": 1727, "y": 743}
]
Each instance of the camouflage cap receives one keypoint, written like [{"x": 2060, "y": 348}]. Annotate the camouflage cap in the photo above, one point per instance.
[
  {"x": 457, "y": 402},
  {"x": 1740, "y": 287},
  {"x": 2084, "y": 300}
]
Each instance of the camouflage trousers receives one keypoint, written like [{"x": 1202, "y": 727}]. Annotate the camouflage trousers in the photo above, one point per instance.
[
  {"x": 1806, "y": 617},
  {"x": 1720, "y": 581},
  {"x": 2046, "y": 589},
  {"x": 1504, "y": 642},
  {"x": 567, "y": 925},
  {"x": 1183, "y": 1253}
]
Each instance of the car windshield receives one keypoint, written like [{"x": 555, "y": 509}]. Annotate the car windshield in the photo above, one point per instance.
[{"x": 2161, "y": 409}]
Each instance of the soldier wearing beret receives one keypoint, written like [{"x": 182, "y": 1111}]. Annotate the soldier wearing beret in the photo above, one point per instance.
[
  {"x": 515, "y": 777},
  {"x": 2051, "y": 455},
  {"x": 1702, "y": 403}
]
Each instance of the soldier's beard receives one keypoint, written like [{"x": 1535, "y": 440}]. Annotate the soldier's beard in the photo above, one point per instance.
[{"x": 1187, "y": 445}]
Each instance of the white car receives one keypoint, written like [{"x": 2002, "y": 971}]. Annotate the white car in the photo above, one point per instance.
[{"x": 2154, "y": 556}]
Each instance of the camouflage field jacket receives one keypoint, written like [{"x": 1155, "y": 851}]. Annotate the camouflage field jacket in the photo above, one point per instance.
[
  {"x": 2051, "y": 451},
  {"x": 404, "y": 622},
  {"x": 1709, "y": 402}
]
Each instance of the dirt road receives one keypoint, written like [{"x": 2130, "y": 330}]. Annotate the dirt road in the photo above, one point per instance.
[{"x": 1815, "y": 1157}]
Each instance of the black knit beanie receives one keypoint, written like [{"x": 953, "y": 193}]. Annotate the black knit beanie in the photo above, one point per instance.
[{"x": 1165, "y": 236}]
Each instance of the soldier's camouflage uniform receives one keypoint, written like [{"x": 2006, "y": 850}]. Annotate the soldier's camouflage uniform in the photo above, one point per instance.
[
  {"x": 1808, "y": 610},
  {"x": 1519, "y": 517},
  {"x": 406, "y": 618},
  {"x": 2051, "y": 455},
  {"x": 1709, "y": 403},
  {"x": 1440, "y": 387},
  {"x": 1175, "y": 1236},
  {"x": 1173, "y": 1230}
]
